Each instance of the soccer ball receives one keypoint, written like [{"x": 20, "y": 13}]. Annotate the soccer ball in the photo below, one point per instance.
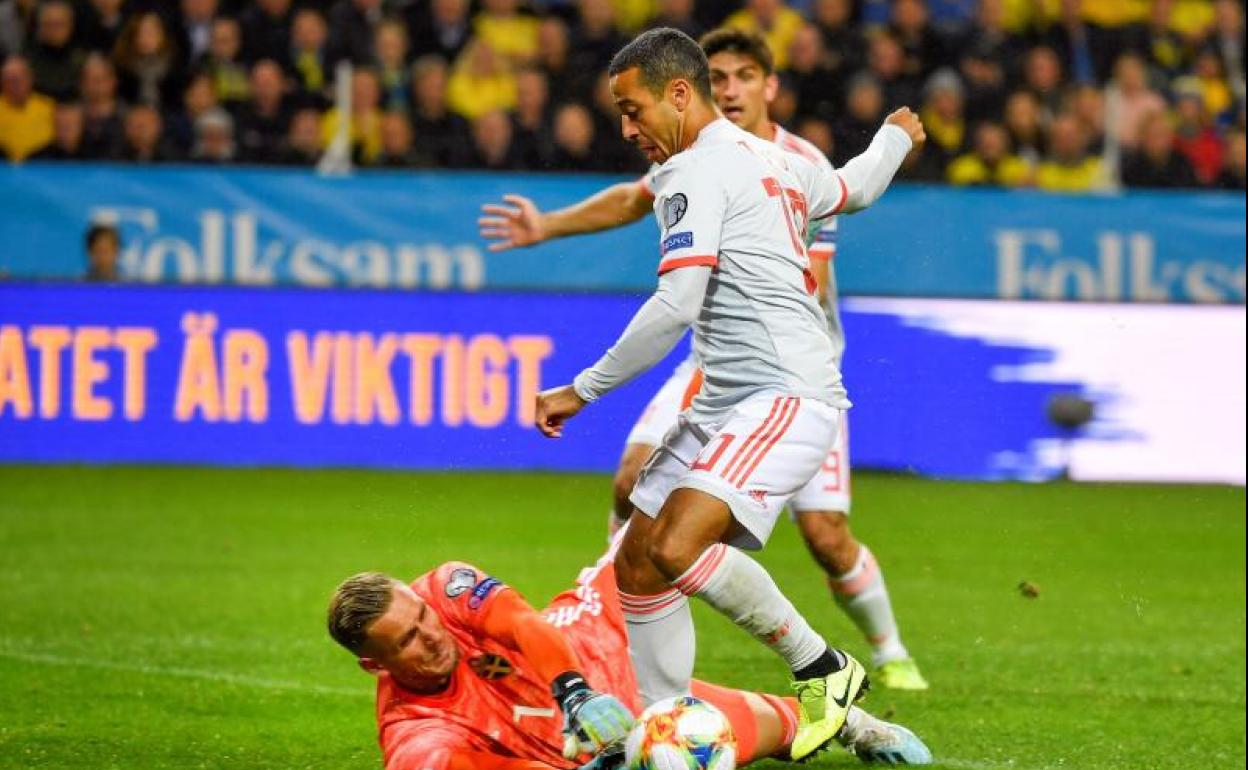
[{"x": 681, "y": 733}]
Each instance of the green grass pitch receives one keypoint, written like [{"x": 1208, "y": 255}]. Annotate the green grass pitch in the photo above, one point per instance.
[{"x": 173, "y": 618}]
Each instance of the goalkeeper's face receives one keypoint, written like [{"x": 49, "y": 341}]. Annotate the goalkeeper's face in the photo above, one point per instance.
[{"x": 410, "y": 642}]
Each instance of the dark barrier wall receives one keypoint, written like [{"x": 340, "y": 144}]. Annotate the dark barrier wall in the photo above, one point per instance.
[
  {"x": 231, "y": 376},
  {"x": 419, "y": 230}
]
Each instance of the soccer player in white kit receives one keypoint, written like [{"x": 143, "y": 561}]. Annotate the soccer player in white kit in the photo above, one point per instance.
[
  {"x": 733, "y": 210},
  {"x": 743, "y": 83}
]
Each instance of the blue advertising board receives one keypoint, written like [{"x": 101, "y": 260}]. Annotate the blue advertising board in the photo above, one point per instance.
[
  {"x": 409, "y": 230},
  {"x": 237, "y": 376}
]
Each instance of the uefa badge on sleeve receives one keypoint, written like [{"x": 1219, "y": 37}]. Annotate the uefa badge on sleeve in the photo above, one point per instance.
[{"x": 674, "y": 209}]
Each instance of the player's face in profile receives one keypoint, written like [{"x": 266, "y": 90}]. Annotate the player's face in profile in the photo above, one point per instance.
[
  {"x": 650, "y": 123},
  {"x": 411, "y": 643},
  {"x": 742, "y": 90}
]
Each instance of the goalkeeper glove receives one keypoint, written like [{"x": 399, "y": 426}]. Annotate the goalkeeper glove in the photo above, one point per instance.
[{"x": 592, "y": 721}]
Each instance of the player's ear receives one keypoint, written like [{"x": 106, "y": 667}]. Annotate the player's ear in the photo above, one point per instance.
[
  {"x": 680, "y": 92},
  {"x": 771, "y": 87},
  {"x": 370, "y": 666}
]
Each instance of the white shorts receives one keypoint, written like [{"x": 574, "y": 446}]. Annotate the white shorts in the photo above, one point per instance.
[
  {"x": 660, "y": 414},
  {"x": 755, "y": 460}
]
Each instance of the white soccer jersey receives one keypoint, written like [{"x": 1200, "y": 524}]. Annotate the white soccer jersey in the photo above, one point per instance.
[{"x": 742, "y": 205}]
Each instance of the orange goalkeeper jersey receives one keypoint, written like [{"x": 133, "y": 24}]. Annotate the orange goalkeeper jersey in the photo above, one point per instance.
[{"x": 497, "y": 712}]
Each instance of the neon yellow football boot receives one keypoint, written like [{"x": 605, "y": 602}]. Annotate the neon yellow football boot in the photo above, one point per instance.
[
  {"x": 823, "y": 704},
  {"x": 902, "y": 674}
]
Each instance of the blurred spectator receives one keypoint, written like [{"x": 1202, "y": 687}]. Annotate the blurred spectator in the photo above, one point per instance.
[
  {"x": 144, "y": 130},
  {"x": 100, "y": 24},
  {"x": 1164, "y": 46},
  {"x": 102, "y": 135},
  {"x": 1156, "y": 163},
  {"x": 1232, "y": 176},
  {"x": 592, "y": 43},
  {"x": 510, "y": 34},
  {"x": 887, "y": 62},
  {"x": 1131, "y": 99},
  {"x": 1229, "y": 42},
  {"x": 54, "y": 58},
  {"x": 678, "y": 14},
  {"x": 844, "y": 46},
  {"x": 16, "y": 18},
  {"x": 1042, "y": 76},
  {"x": 945, "y": 123},
  {"x": 214, "y": 137},
  {"x": 923, "y": 48},
  {"x": 365, "y": 123},
  {"x": 224, "y": 62},
  {"x": 481, "y": 82},
  {"x": 264, "y": 121},
  {"x": 985, "y": 84},
  {"x": 531, "y": 125},
  {"x": 492, "y": 149},
  {"x": 1023, "y": 121},
  {"x": 303, "y": 143},
  {"x": 103, "y": 243},
  {"x": 66, "y": 135},
  {"x": 552, "y": 57},
  {"x": 864, "y": 113},
  {"x": 266, "y": 27},
  {"x": 1209, "y": 73},
  {"x": 198, "y": 98},
  {"x": 1195, "y": 137},
  {"x": 397, "y": 150},
  {"x": 818, "y": 132},
  {"x": 309, "y": 59},
  {"x": 194, "y": 30},
  {"x": 990, "y": 161},
  {"x": 25, "y": 116},
  {"x": 442, "y": 27},
  {"x": 772, "y": 19},
  {"x": 442, "y": 133},
  {"x": 390, "y": 60},
  {"x": 1068, "y": 167},
  {"x": 813, "y": 82},
  {"x": 1087, "y": 103},
  {"x": 574, "y": 141},
  {"x": 147, "y": 63},
  {"x": 351, "y": 25}
]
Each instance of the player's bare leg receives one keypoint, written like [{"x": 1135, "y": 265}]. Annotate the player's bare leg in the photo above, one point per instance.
[
  {"x": 626, "y": 473},
  {"x": 858, "y": 587}
]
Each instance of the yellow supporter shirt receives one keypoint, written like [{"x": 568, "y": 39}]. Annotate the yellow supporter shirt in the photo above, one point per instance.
[
  {"x": 27, "y": 129},
  {"x": 365, "y": 132},
  {"x": 778, "y": 38},
  {"x": 632, "y": 15},
  {"x": 472, "y": 96},
  {"x": 969, "y": 169},
  {"x": 1059, "y": 177},
  {"x": 514, "y": 37}
]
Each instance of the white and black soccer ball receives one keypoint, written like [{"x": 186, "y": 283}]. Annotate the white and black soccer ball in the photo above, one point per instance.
[{"x": 681, "y": 733}]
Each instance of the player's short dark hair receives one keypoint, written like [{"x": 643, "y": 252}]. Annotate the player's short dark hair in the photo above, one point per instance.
[
  {"x": 357, "y": 603},
  {"x": 662, "y": 55},
  {"x": 97, "y": 231},
  {"x": 743, "y": 43}
]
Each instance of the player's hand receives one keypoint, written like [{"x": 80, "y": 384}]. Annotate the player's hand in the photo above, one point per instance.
[
  {"x": 594, "y": 722},
  {"x": 910, "y": 123},
  {"x": 555, "y": 407},
  {"x": 511, "y": 226}
]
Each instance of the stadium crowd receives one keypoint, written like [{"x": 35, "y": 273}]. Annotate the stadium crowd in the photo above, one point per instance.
[{"x": 1064, "y": 95}]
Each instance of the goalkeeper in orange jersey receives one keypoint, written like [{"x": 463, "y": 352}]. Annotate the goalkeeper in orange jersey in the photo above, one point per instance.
[{"x": 471, "y": 677}]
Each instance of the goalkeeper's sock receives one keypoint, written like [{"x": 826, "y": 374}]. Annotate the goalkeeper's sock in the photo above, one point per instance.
[
  {"x": 863, "y": 596},
  {"x": 661, "y": 643},
  {"x": 738, "y": 587},
  {"x": 856, "y": 721}
]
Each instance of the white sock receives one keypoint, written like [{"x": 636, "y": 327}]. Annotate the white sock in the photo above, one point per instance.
[
  {"x": 856, "y": 721},
  {"x": 661, "y": 642},
  {"x": 741, "y": 589},
  {"x": 861, "y": 593}
]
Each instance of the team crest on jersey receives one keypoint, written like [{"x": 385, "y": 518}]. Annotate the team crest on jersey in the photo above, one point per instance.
[
  {"x": 674, "y": 209},
  {"x": 460, "y": 581},
  {"x": 490, "y": 667}
]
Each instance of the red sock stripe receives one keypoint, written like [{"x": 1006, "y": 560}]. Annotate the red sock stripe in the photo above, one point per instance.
[
  {"x": 782, "y": 426},
  {"x": 749, "y": 442},
  {"x": 649, "y": 605},
  {"x": 697, "y": 576},
  {"x": 786, "y": 709},
  {"x": 865, "y": 577}
]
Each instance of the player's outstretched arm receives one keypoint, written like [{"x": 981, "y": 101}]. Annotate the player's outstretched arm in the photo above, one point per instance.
[
  {"x": 517, "y": 222},
  {"x": 865, "y": 178}
]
